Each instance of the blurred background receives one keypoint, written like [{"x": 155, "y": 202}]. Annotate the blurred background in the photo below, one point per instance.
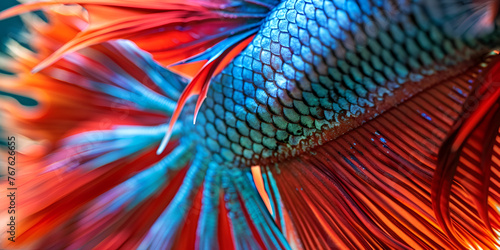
[
  {"x": 8, "y": 29},
  {"x": 10, "y": 26}
]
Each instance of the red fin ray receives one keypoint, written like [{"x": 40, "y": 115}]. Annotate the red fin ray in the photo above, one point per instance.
[
  {"x": 475, "y": 131},
  {"x": 119, "y": 30},
  {"x": 173, "y": 24},
  {"x": 200, "y": 84}
]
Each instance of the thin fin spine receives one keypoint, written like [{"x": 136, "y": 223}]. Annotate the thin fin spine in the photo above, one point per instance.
[
  {"x": 206, "y": 236},
  {"x": 144, "y": 184},
  {"x": 162, "y": 233},
  {"x": 114, "y": 144}
]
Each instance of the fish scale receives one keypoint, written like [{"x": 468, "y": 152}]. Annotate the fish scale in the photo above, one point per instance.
[{"x": 314, "y": 65}]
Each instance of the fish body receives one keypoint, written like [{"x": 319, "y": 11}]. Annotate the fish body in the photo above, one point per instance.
[
  {"x": 320, "y": 124},
  {"x": 316, "y": 69}
]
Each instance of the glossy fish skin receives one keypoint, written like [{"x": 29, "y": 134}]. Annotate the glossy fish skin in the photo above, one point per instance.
[{"x": 317, "y": 68}]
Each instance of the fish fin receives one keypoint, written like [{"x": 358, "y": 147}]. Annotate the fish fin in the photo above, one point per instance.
[
  {"x": 185, "y": 28},
  {"x": 200, "y": 84},
  {"x": 475, "y": 131},
  {"x": 212, "y": 197},
  {"x": 375, "y": 186},
  {"x": 112, "y": 75},
  {"x": 90, "y": 150},
  {"x": 174, "y": 32},
  {"x": 470, "y": 18},
  {"x": 102, "y": 183}
]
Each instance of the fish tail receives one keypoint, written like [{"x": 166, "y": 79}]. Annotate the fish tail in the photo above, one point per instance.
[
  {"x": 75, "y": 159},
  {"x": 93, "y": 139},
  {"x": 210, "y": 32}
]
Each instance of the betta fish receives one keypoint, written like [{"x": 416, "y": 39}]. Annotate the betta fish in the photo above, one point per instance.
[{"x": 253, "y": 124}]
